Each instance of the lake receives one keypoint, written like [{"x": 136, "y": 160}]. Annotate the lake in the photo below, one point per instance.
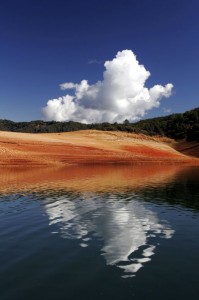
[{"x": 99, "y": 232}]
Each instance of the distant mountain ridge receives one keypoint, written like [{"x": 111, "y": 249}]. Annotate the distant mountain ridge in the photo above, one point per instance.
[{"x": 176, "y": 126}]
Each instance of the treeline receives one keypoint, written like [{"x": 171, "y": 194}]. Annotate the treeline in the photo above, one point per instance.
[
  {"x": 177, "y": 126},
  {"x": 41, "y": 126}
]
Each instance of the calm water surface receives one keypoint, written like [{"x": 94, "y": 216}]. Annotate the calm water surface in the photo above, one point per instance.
[{"x": 99, "y": 233}]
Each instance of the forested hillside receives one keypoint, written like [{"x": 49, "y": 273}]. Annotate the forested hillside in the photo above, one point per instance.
[{"x": 177, "y": 126}]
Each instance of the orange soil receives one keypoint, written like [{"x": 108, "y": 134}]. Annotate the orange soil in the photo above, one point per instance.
[{"x": 86, "y": 147}]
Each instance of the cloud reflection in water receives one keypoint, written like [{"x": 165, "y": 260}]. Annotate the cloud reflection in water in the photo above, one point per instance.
[{"x": 127, "y": 226}]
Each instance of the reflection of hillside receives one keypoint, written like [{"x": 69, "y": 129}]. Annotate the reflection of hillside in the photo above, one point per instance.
[
  {"x": 187, "y": 195},
  {"x": 125, "y": 225},
  {"x": 87, "y": 178}
]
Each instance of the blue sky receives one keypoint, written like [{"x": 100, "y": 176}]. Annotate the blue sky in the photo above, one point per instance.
[{"x": 45, "y": 43}]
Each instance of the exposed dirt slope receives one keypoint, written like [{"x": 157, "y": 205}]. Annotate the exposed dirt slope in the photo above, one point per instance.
[
  {"x": 188, "y": 148},
  {"x": 86, "y": 147}
]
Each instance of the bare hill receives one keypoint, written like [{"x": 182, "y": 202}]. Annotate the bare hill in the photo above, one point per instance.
[{"x": 86, "y": 147}]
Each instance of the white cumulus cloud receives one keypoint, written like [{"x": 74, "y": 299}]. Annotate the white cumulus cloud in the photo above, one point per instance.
[{"x": 120, "y": 95}]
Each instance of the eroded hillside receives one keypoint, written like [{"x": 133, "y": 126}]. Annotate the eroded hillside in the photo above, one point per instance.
[{"x": 86, "y": 147}]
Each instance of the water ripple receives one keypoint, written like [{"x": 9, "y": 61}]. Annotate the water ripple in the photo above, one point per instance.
[{"x": 125, "y": 225}]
